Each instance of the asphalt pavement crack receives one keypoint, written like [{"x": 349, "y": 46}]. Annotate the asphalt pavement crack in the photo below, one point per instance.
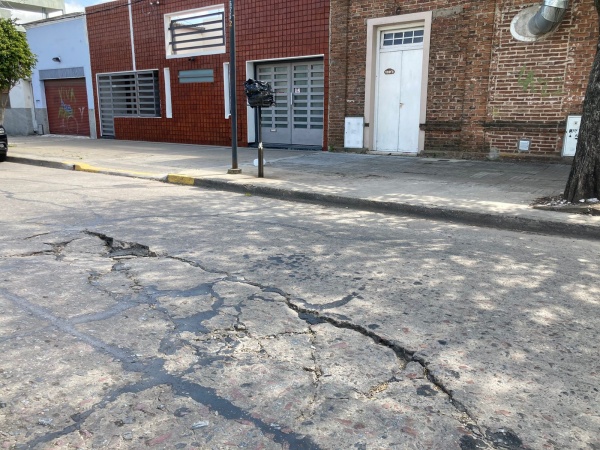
[
  {"x": 123, "y": 248},
  {"x": 36, "y": 235},
  {"x": 481, "y": 439},
  {"x": 58, "y": 247},
  {"x": 197, "y": 265},
  {"x": 117, "y": 309},
  {"x": 483, "y": 436},
  {"x": 155, "y": 373},
  {"x": 29, "y": 254},
  {"x": 63, "y": 325},
  {"x": 317, "y": 373},
  {"x": 314, "y": 316},
  {"x": 344, "y": 301}
]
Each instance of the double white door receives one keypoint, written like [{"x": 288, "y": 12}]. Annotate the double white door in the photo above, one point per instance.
[{"x": 398, "y": 91}]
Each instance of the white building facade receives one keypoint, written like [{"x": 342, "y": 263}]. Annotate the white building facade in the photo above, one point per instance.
[{"x": 62, "y": 94}]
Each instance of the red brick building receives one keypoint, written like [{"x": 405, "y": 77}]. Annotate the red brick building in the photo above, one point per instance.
[
  {"x": 160, "y": 69},
  {"x": 467, "y": 86}
]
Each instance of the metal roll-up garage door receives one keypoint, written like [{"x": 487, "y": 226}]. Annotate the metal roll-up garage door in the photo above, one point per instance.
[{"x": 67, "y": 104}]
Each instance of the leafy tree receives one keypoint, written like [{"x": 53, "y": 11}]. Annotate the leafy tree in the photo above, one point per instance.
[
  {"x": 584, "y": 179},
  {"x": 16, "y": 60}
]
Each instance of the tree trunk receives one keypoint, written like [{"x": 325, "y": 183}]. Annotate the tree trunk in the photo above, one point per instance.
[
  {"x": 584, "y": 179},
  {"x": 3, "y": 103}
]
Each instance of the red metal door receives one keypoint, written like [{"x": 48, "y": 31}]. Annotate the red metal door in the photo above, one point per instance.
[{"x": 66, "y": 101}]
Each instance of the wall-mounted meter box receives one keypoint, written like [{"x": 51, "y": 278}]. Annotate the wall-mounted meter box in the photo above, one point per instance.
[
  {"x": 353, "y": 132},
  {"x": 571, "y": 134}
]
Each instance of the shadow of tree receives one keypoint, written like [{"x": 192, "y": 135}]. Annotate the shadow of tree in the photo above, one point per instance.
[{"x": 506, "y": 323}]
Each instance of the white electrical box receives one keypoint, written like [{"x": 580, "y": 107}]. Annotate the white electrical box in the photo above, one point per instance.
[
  {"x": 353, "y": 132},
  {"x": 571, "y": 135}
]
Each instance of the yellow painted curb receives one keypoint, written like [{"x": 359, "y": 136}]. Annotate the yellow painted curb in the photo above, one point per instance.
[
  {"x": 181, "y": 179},
  {"x": 82, "y": 167},
  {"x": 85, "y": 168}
]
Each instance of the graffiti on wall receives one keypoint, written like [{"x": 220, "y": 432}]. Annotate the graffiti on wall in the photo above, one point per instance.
[
  {"x": 66, "y": 112},
  {"x": 531, "y": 82}
]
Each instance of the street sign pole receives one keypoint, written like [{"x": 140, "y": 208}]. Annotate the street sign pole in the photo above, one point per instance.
[
  {"x": 261, "y": 150},
  {"x": 232, "y": 97}
]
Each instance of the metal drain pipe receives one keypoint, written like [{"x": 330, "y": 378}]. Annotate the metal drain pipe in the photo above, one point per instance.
[{"x": 550, "y": 14}]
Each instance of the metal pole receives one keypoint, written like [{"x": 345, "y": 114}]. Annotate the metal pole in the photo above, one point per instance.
[
  {"x": 232, "y": 97},
  {"x": 261, "y": 154}
]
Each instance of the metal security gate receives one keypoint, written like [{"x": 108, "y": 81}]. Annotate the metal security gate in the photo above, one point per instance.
[
  {"x": 67, "y": 106},
  {"x": 297, "y": 117},
  {"x": 127, "y": 94}
]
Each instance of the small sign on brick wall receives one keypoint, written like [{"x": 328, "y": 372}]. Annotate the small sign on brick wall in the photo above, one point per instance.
[{"x": 196, "y": 76}]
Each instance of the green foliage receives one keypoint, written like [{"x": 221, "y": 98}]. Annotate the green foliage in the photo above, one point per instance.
[{"x": 16, "y": 59}]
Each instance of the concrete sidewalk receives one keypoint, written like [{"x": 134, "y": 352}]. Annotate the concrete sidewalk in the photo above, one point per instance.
[{"x": 484, "y": 193}]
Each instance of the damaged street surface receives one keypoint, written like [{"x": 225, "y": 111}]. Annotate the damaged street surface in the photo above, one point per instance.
[{"x": 136, "y": 314}]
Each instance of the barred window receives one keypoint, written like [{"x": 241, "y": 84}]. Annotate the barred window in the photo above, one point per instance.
[
  {"x": 195, "y": 32},
  {"x": 127, "y": 94}
]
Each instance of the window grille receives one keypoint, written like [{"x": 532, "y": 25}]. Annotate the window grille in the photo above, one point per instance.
[
  {"x": 196, "y": 32},
  {"x": 127, "y": 94}
]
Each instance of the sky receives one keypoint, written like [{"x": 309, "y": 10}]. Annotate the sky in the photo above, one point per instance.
[
  {"x": 79, "y": 5},
  {"x": 70, "y": 7}
]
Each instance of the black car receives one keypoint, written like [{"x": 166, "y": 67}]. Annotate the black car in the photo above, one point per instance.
[{"x": 3, "y": 144}]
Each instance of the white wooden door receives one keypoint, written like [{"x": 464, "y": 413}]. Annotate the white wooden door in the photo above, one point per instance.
[{"x": 398, "y": 91}]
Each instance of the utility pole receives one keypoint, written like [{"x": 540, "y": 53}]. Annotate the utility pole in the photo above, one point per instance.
[{"x": 232, "y": 97}]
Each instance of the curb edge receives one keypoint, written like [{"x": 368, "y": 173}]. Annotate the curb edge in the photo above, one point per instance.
[{"x": 488, "y": 220}]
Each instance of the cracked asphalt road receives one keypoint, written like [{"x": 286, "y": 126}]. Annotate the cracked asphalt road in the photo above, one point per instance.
[{"x": 140, "y": 315}]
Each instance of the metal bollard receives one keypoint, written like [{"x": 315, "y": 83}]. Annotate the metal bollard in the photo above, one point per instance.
[{"x": 260, "y": 94}]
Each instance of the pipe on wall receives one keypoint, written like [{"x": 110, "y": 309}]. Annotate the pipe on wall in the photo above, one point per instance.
[
  {"x": 537, "y": 21},
  {"x": 550, "y": 14}
]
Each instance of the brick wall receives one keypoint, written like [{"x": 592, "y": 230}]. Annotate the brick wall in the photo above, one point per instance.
[
  {"x": 268, "y": 29},
  {"x": 486, "y": 90}
]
